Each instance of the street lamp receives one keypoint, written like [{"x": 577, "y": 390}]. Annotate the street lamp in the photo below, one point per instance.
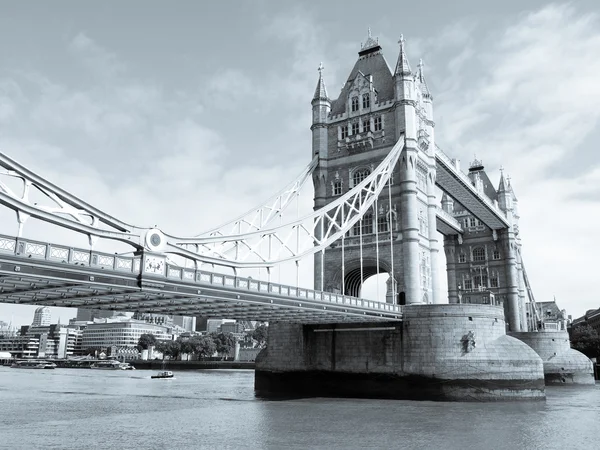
[{"x": 459, "y": 293}]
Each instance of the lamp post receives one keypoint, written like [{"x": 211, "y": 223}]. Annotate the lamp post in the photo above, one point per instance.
[{"x": 459, "y": 293}]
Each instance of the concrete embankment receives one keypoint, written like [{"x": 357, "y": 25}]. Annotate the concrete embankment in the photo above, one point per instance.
[{"x": 191, "y": 365}]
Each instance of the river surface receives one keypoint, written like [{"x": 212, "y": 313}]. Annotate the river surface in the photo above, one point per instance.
[{"x": 216, "y": 409}]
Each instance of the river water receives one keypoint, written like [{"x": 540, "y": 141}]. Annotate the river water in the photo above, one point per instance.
[{"x": 216, "y": 409}]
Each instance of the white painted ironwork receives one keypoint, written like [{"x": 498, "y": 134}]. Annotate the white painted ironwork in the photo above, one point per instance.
[
  {"x": 295, "y": 240},
  {"x": 258, "y": 218}
]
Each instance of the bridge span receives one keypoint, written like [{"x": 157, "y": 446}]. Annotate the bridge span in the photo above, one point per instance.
[{"x": 38, "y": 273}]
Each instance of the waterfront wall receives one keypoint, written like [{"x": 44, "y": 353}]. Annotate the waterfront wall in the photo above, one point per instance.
[
  {"x": 562, "y": 364},
  {"x": 190, "y": 365},
  {"x": 440, "y": 352}
]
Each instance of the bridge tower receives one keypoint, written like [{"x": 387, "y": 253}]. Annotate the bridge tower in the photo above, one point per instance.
[
  {"x": 484, "y": 265},
  {"x": 351, "y": 135}
]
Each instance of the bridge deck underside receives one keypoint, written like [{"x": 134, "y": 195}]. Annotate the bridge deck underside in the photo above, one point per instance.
[{"x": 53, "y": 285}]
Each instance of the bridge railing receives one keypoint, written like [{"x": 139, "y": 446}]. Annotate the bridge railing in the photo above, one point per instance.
[
  {"x": 449, "y": 218},
  {"x": 62, "y": 254},
  {"x": 451, "y": 163}
]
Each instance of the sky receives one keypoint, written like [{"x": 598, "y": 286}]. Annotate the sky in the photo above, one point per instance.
[{"x": 185, "y": 116}]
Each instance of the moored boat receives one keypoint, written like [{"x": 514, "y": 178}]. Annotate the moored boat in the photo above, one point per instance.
[
  {"x": 112, "y": 365},
  {"x": 33, "y": 364}
]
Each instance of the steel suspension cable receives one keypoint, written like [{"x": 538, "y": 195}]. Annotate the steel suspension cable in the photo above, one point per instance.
[{"x": 390, "y": 223}]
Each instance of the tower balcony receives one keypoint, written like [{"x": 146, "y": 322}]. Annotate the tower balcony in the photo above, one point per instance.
[{"x": 361, "y": 141}]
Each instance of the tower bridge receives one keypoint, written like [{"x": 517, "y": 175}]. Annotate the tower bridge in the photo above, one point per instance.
[{"x": 377, "y": 175}]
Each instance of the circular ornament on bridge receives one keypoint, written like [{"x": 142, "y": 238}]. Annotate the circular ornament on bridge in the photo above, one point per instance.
[{"x": 154, "y": 239}]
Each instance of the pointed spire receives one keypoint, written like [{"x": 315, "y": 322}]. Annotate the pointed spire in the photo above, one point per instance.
[
  {"x": 502, "y": 184},
  {"x": 320, "y": 91},
  {"x": 402, "y": 66},
  {"x": 421, "y": 78}
]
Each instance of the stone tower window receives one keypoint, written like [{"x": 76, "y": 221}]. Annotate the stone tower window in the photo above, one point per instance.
[
  {"x": 494, "y": 282},
  {"x": 366, "y": 126},
  {"x": 496, "y": 254},
  {"x": 355, "y": 129},
  {"x": 479, "y": 254},
  {"x": 377, "y": 123},
  {"x": 337, "y": 187},
  {"x": 382, "y": 224},
  {"x": 366, "y": 101},
  {"x": 360, "y": 175},
  {"x": 367, "y": 224},
  {"x": 354, "y": 104},
  {"x": 462, "y": 258},
  {"x": 344, "y": 131}
]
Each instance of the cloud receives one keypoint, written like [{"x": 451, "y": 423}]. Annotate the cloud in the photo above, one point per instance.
[
  {"x": 526, "y": 98},
  {"x": 95, "y": 58}
]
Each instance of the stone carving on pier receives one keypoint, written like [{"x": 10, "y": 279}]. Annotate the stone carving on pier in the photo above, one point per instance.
[{"x": 469, "y": 341}]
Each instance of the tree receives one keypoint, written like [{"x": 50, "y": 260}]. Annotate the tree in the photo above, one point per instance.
[
  {"x": 260, "y": 335},
  {"x": 225, "y": 343},
  {"x": 203, "y": 346},
  {"x": 146, "y": 340},
  {"x": 172, "y": 349},
  {"x": 185, "y": 346},
  {"x": 586, "y": 339}
]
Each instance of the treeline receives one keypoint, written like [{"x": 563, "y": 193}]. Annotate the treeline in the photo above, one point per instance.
[{"x": 202, "y": 346}]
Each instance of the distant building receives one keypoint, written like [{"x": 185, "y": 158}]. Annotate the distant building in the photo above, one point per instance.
[
  {"x": 88, "y": 315},
  {"x": 186, "y": 323},
  {"x": 120, "y": 335},
  {"x": 41, "y": 317},
  {"x": 201, "y": 323},
  {"x": 232, "y": 327},
  {"x": 214, "y": 325},
  {"x": 51, "y": 341},
  {"x": 591, "y": 318},
  {"x": 549, "y": 316},
  {"x": 158, "y": 319}
]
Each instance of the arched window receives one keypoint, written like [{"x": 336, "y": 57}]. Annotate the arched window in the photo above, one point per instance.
[
  {"x": 481, "y": 281},
  {"x": 354, "y": 104},
  {"x": 479, "y": 254},
  {"x": 360, "y": 175}
]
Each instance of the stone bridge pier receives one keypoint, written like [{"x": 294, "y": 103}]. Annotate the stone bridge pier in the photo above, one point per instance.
[{"x": 454, "y": 352}]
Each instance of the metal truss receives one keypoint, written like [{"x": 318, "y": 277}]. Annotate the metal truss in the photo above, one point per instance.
[
  {"x": 258, "y": 218},
  {"x": 252, "y": 246},
  {"x": 295, "y": 240},
  {"x": 63, "y": 209}
]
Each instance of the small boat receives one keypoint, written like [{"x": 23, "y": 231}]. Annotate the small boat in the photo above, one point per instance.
[
  {"x": 163, "y": 374},
  {"x": 33, "y": 364}
]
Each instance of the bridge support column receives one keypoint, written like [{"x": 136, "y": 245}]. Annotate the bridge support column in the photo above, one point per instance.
[
  {"x": 512, "y": 277},
  {"x": 410, "y": 223},
  {"x": 450, "y": 250},
  {"x": 437, "y": 352},
  {"x": 434, "y": 247}
]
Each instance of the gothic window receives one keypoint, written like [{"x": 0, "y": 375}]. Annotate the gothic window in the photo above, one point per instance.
[
  {"x": 468, "y": 284},
  {"x": 355, "y": 128},
  {"x": 377, "y": 124},
  {"x": 344, "y": 131},
  {"x": 462, "y": 258},
  {"x": 337, "y": 187},
  {"x": 366, "y": 101},
  {"x": 496, "y": 254},
  {"x": 354, "y": 104},
  {"x": 366, "y": 126},
  {"x": 382, "y": 224},
  {"x": 472, "y": 222},
  {"x": 360, "y": 175},
  {"x": 367, "y": 224},
  {"x": 481, "y": 280},
  {"x": 494, "y": 282},
  {"x": 356, "y": 229},
  {"x": 479, "y": 254}
]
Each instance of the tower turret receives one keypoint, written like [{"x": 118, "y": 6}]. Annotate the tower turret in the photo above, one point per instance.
[
  {"x": 504, "y": 196},
  {"x": 321, "y": 106}
]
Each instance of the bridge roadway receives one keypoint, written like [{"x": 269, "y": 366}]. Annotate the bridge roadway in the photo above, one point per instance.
[{"x": 39, "y": 273}]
